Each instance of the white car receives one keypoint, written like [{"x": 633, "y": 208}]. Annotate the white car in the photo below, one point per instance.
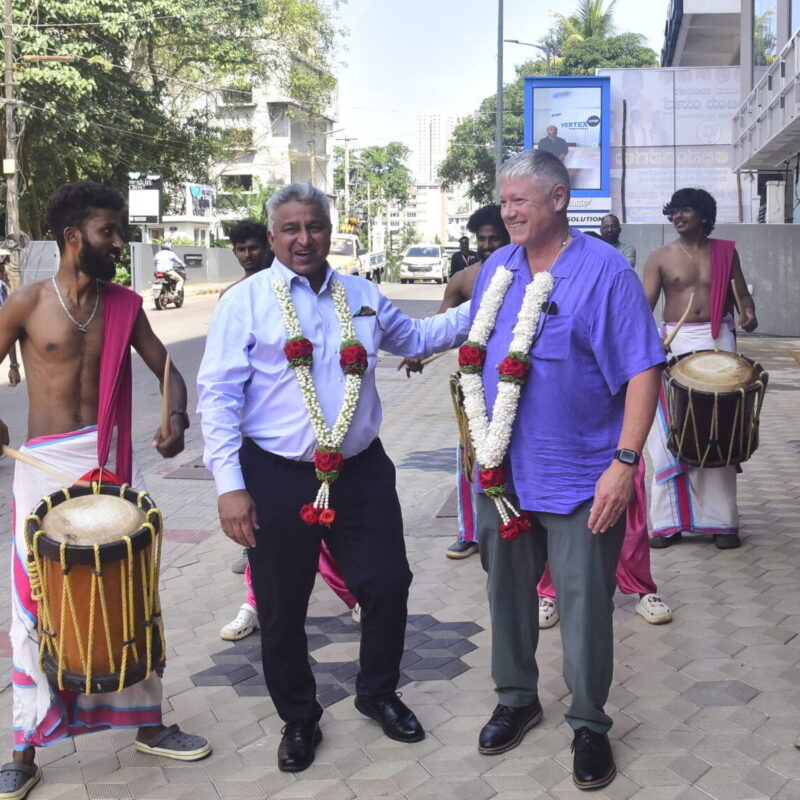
[{"x": 424, "y": 262}]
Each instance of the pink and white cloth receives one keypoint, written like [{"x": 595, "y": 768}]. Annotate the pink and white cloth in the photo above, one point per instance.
[
  {"x": 41, "y": 713},
  {"x": 684, "y": 498}
]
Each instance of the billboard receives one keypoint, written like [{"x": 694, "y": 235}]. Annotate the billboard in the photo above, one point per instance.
[
  {"x": 570, "y": 117},
  {"x": 677, "y": 133},
  {"x": 199, "y": 200},
  {"x": 144, "y": 198}
]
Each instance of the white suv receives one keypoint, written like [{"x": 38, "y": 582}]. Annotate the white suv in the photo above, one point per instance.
[{"x": 424, "y": 262}]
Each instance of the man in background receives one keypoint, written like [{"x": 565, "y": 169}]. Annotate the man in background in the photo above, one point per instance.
[
  {"x": 463, "y": 258},
  {"x": 610, "y": 230},
  {"x": 553, "y": 143}
]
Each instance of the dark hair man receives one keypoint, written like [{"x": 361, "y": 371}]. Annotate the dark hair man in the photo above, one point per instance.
[
  {"x": 694, "y": 264},
  {"x": 593, "y": 353},
  {"x": 553, "y": 143},
  {"x": 610, "y": 230},
  {"x": 75, "y": 332},
  {"x": 250, "y": 246},
  {"x": 463, "y": 257},
  {"x": 269, "y": 429}
]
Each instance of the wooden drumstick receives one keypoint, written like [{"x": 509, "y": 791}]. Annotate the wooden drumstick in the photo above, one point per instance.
[
  {"x": 433, "y": 358},
  {"x": 737, "y": 299},
  {"x": 668, "y": 340},
  {"x": 165, "y": 401},
  {"x": 34, "y": 462},
  {"x": 795, "y": 355}
]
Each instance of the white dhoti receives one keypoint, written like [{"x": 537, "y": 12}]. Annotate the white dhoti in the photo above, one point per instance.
[
  {"x": 42, "y": 713},
  {"x": 685, "y": 498}
]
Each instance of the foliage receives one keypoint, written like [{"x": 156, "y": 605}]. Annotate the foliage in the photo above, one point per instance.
[
  {"x": 136, "y": 94},
  {"x": 241, "y": 204},
  {"x": 122, "y": 276},
  {"x": 378, "y": 176},
  {"x": 577, "y": 44}
]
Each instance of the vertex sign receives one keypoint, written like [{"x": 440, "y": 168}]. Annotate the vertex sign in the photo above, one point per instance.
[{"x": 144, "y": 198}]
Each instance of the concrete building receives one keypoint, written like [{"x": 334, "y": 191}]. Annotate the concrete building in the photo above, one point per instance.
[
  {"x": 434, "y": 132},
  {"x": 763, "y": 37}
]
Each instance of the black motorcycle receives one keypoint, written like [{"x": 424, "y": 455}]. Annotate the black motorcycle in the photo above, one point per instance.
[{"x": 165, "y": 290}]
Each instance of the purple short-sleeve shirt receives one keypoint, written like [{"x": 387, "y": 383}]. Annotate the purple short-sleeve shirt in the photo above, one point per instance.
[{"x": 598, "y": 337}]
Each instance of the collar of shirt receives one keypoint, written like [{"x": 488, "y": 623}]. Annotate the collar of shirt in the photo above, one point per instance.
[
  {"x": 289, "y": 275},
  {"x": 562, "y": 267}
]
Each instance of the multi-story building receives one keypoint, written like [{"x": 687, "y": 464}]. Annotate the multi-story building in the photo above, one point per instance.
[
  {"x": 434, "y": 132},
  {"x": 763, "y": 37}
]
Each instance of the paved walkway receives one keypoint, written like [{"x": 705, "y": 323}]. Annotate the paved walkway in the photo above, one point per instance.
[{"x": 708, "y": 706}]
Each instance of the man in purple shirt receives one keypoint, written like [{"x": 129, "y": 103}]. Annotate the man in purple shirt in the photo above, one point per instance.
[{"x": 582, "y": 421}]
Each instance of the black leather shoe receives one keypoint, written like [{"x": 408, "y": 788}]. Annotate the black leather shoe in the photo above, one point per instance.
[
  {"x": 296, "y": 750},
  {"x": 395, "y": 717},
  {"x": 659, "y": 542},
  {"x": 507, "y": 726},
  {"x": 593, "y": 765},
  {"x": 727, "y": 541}
]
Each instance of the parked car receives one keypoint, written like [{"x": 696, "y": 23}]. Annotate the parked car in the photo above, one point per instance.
[{"x": 424, "y": 262}]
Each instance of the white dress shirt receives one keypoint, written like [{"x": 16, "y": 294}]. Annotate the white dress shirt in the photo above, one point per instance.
[{"x": 247, "y": 388}]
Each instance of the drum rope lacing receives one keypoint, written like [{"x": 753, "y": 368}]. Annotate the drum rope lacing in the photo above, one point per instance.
[{"x": 37, "y": 569}]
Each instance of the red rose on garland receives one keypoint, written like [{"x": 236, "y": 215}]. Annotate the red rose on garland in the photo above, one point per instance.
[
  {"x": 328, "y": 460},
  {"x": 327, "y": 516},
  {"x": 514, "y": 369},
  {"x": 471, "y": 356},
  {"x": 309, "y": 514},
  {"x": 514, "y": 527},
  {"x": 492, "y": 477},
  {"x": 298, "y": 351},
  {"x": 353, "y": 359}
]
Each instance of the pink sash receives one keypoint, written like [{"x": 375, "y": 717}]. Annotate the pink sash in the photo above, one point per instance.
[
  {"x": 721, "y": 268},
  {"x": 115, "y": 408}
]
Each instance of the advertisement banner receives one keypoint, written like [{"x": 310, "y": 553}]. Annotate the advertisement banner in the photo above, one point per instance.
[
  {"x": 199, "y": 200},
  {"x": 569, "y": 117},
  {"x": 144, "y": 198}
]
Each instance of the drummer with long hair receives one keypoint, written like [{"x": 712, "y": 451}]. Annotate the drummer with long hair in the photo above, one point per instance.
[
  {"x": 75, "y": 332},
  {"x": 695, "y": 274}
]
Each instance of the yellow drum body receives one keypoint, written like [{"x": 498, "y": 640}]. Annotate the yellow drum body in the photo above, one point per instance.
[
  {"x": 714, "y": 400},
  {"x": 93, "y": 556}
]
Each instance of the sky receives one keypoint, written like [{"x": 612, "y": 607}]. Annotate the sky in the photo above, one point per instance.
[{"x": 402, "y": 57}]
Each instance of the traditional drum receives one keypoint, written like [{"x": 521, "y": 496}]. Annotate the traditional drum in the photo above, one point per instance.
[
  {"x": 467, "y": 450},
  {"x": 93, "y": 556},
  {"x": 714, "y": 400}
]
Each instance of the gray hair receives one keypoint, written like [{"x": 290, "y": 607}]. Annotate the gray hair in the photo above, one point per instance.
[
  {"x": 300, "y": 193},
  {"x": 543, "y": 167}
]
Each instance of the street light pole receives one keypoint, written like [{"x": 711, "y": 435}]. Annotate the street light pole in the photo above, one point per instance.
[
  {"x": 10, "y": 161},
  {"x": 498, "y": 135},
  {"x": 545, "y": 49}
]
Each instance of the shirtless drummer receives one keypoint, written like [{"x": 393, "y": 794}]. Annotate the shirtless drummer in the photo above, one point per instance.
[
  {"x": 75, "y": 333},
  {"x": 688, "y": 499}
]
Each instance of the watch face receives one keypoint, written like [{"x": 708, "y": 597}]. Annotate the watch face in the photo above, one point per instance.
[{"x": 627, "y": 456}]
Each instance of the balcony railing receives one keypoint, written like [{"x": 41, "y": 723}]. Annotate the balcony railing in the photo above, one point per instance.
[{"x": 766, "y": 127}]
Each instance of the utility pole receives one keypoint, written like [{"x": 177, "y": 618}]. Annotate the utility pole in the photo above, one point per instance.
[
  {"x": 346, "y": 140},
  {"x": 10, "y": 161},
  {"x": 498, "y": 134}
]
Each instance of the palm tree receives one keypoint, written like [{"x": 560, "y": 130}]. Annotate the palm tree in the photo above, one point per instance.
[{"x": 590, "y": 21}]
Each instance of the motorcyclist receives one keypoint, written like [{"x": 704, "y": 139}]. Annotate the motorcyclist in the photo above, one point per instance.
[{"x": 171, "y": 265}]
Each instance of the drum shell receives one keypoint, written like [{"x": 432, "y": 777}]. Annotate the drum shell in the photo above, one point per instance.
[
  {"x": 116, "y": 582},
  {"x": 714, "y": 429}
]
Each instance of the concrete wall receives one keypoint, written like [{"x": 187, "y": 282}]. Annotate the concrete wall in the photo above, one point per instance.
[
  {"x": 216, "y": 264},
  {"x": 767, "y": 253}
]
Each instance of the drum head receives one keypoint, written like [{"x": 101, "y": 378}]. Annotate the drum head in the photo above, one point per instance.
[
  {"x": 713, "y": 371},
  {"x": 92, "y": 518}
]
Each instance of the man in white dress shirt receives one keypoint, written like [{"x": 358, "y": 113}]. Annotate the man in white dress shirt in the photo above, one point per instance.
[{"x": 262, "y": 447}]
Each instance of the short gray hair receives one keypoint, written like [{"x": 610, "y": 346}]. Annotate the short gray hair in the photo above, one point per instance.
[
  {"x": 300, "y": 193},
  {"x": 540, "y": 165}
]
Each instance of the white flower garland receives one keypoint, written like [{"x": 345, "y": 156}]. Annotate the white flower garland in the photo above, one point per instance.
[
  {"x": 330, "y": 438},
  {"x": 491, "y": 439}
]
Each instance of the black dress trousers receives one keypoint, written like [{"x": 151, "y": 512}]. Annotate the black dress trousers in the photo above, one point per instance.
[{"x": 365, "y": 540}]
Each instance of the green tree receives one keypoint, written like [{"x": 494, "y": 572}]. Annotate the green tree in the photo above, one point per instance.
[
  {"x": 378, "y": 176},
  {"x": 135, "y": 95},
  {"x": 575, "y": 45}
]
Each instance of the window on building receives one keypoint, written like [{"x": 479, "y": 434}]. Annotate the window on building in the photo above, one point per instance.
[
  {"x": 237, "y": 138},
  {"x": 237, "y": 95},
  {"x": 231, "y": 183},
  {"x": 765, "y": 36},
  {"x": 278, "y": 118}
]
